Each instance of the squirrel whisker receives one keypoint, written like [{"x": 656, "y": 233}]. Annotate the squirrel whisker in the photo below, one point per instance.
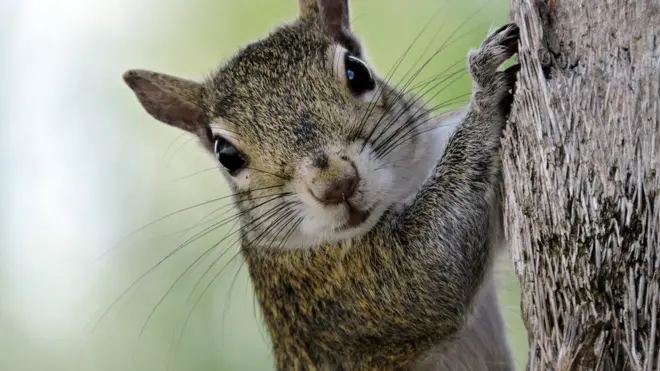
[
  {"x": 415, "y": 115},
  {"x": 390, "y": 74},
  {"x": 171, "y": 253},
  {"x": 169, "y": 215},
  {"x": 416, "y": 124},
  {"x": 404, "y": 89},
  {"x": 199, "y": 259},
  {"x": 210, "y": 283}
]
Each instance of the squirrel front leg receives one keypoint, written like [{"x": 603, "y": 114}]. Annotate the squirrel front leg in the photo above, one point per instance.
[{"x": 453, "y": 218}]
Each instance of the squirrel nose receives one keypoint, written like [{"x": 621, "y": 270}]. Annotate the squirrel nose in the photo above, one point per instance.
[
  {"x": 340, "y": 190},
  {"x": 334, "y": 183}
]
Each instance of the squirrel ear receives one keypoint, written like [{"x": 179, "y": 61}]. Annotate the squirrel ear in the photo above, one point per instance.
[
  {"x": 333, "y": 15},
  {"x": 172, "y": 100}
]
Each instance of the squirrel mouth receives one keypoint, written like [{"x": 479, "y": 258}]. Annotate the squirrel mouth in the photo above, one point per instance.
[{"x": 355, "y": 217}]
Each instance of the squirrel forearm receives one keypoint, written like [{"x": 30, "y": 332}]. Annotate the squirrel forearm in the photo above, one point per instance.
[
  {"x": 449, "y": 224},
  {"x": 453, "y": 208},
  {"x": 453, "y": 221}
]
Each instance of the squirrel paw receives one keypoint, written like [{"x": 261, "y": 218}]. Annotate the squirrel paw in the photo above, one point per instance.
[{"x": 493, "y": 89}]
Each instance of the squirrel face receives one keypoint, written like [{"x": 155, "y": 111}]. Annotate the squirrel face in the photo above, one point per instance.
[{"x": 315, "y": 146}]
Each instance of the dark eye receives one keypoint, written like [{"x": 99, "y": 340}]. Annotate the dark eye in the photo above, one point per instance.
[
  {"x": 358, "y": 75},
  {"x": 228, "y": 155}
]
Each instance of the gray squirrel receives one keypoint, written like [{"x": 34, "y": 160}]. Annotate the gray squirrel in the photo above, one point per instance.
[{"x": 369, "y": 224}]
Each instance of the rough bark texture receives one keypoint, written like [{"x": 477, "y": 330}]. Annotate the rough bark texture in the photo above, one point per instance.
[{"x": 582, "y": 182}]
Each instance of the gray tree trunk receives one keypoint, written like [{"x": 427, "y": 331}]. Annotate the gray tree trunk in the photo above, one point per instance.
[{"x": 582, "y": 203}]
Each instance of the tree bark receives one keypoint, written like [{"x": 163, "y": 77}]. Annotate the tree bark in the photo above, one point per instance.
[{"x": 582, "y": 205}]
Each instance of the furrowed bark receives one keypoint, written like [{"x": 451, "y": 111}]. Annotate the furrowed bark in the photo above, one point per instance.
[{"x": 581, "y": 168}]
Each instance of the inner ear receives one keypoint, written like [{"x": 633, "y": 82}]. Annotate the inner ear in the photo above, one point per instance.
[{"x": 333, "y": 16}]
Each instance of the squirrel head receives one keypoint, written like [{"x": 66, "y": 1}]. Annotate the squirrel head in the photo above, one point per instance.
[{"x": 314, "y": 144}]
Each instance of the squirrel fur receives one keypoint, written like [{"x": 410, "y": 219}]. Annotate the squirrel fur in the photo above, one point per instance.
[{"x": 408, "y": 286}]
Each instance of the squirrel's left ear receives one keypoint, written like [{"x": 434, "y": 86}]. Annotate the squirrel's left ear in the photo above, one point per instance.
[
  {"x": 172, "y": 100},
  {"x": 334, "y": 17}
]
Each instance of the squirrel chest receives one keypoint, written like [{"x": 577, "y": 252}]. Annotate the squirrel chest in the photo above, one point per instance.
[{"x": 370, "y": 299}]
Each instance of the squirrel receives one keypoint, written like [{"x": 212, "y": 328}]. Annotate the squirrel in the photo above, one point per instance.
[{"x": 369, "y": 224}]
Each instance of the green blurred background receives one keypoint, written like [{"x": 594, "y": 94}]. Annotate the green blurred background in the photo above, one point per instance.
[{"x": 82, "y": 165}]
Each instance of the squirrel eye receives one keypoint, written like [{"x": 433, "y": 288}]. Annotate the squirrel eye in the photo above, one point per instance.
[
  {"x": 228, "y": 155},
  {"x": 358, "y": 75}
]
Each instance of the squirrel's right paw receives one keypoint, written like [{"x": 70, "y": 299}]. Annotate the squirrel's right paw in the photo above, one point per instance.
[{"x": 493, "y": 89}]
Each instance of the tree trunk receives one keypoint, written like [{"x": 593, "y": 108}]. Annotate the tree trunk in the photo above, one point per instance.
[{"x": 582, "y": 203}]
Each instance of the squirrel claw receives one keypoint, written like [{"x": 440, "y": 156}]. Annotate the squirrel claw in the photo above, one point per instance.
[{"x": 493, "y": 90}]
